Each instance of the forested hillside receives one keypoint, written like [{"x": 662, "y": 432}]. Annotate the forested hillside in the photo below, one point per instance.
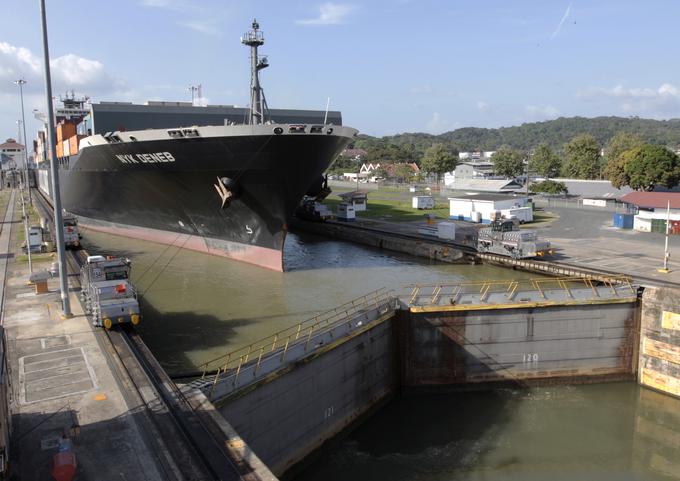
[{"x": 556, "y": 133}]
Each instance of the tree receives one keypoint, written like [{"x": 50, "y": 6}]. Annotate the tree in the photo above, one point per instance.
[
  {"x": 615, "y": 168},
  {"x": 390, "y": 153},
  {"x": 549, "y": 187},
  {"x": 544, "y": 162},
  {"x": 582, "y": 157},
  {"x": 381, "y": 172},
  {"x": 438, "y": 160},
  {"x": 508, "y": 162},
  {"x": 650, "y": 165},
  {"x": 403, "y": 172}
]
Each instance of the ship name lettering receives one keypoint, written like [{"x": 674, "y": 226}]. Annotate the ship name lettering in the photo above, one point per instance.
[
  {"x": 151, "y": 158},
  {"x": 127, "y": 159}
]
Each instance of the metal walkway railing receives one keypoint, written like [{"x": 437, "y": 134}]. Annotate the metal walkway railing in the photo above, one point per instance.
[
  {"x": 241, "y": 367},
  {"x": 513, "y": 291},
  {"x": 304, "y": 336}
]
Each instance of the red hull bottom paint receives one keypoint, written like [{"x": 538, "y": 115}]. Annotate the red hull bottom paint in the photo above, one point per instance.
[{"x": 256, "y": 255}]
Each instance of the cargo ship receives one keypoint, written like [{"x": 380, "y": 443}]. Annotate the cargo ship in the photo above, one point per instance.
[{"x": 226, "y": 189}]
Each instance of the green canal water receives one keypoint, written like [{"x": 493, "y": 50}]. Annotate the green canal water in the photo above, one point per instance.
[
  {"x": 197, "y": 307},
  {"x": 605, "y": 432}
]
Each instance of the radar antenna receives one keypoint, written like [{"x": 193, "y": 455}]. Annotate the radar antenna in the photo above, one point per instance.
[{"x": 258, "y": 103}]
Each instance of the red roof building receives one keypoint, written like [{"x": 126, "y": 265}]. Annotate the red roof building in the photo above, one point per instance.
[
  {"x": 12, "y": 154},
  {"x": 13, "y": 145},
  {"x": 652, "y": 200}
]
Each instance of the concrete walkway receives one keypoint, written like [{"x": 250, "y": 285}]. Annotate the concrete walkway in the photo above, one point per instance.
[
  {"x": 60, "y": 379},
  {"x": 585, "y": 237}
]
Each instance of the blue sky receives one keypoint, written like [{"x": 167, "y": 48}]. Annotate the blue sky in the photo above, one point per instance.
[{"x": 389, "y": 66}]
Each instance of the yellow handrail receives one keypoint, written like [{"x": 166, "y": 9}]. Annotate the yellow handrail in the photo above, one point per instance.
[
  {"x": 293, "y": 333},
  {"x": 432, "y": 292}
]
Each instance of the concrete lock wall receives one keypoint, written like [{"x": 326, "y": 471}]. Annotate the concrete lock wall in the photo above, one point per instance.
[
  {"x": 418, "y": 248},
  {"x": 659, "y": 365},
  {"x": 572, "y": 343},
  {"x": 288, "y": 415},
  {"x": 285, "y": 419}
]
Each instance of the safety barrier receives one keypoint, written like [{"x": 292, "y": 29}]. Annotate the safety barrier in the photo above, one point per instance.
[
  {"x": 280, "y": 343},
  {"x": 542, "y": 289}
]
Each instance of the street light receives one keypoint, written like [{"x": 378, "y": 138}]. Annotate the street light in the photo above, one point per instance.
[
  {"x": 21, "y": 82},
  {"x": 58, "y": 218}
]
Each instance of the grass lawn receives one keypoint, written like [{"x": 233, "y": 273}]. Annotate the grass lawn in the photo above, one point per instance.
[
  {"x": 394, "y": 204},
  {"x": 33, "y": 219},
  {"x": 37, "y": 258},
  {"x": 393, "y": 210},
  {"x": 542, "y": 218}
]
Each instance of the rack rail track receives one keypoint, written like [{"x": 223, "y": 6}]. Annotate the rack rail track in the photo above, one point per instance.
[{"x": 187, "y": 446}]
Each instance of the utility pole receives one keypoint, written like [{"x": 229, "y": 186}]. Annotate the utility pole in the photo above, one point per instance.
[
  {"x": 21, "y": 82},
  {"x": 666, "y": 254},
  {"x": 26, "y": 233},
  {"x": 527, "y": 179},
  {"x": 58, "y": 218},
  {"x": 17, "y": 168}
]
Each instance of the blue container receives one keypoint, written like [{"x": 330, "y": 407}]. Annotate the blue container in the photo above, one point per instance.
[
  {"x": 628, "y": 221},
  {"x": 617, "y": 220},
  {"x": 622, "y": 221}
]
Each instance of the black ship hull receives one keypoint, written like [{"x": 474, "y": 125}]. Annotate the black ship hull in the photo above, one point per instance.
[{"x": 169, "y": 191}]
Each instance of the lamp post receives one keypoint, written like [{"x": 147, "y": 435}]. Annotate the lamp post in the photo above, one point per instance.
[
  {"x": 21, "y": 82},
  {"x": 666, "y": 254},
  {"x": 17, "y": 168},
  {"x": 58, "y": 218}
]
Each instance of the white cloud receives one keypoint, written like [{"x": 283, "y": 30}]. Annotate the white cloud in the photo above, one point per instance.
[
  {"x": 541, "y": 112},
  {"x": 77, "y": 71},
  {"x": 207, "y": 28},
  {"x": 483, "y": 106},
  {"x": 564, "y": 19},
  {"x": 656, "y": 102},
  {"x": 205, "y": 20},
  {"x": 619, "y": 91},
  {"x": 167, "y": 4},
  {"x": 330, "y": 14},
  {"x": 17, "y": 62},
  {"x": 69, "y": 71}
]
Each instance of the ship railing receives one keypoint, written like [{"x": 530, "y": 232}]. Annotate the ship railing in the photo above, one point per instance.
[
  {"x": 542, "y": 288},
  {"x": 279, "y": 343}
]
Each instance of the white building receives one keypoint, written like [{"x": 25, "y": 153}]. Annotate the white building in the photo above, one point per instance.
[
  {"x": 496, "y": 186},
  {"x": 476, "y": 155},
  {"x": 357, "y": 199},
  {"x": 12, "y": 154},
  {"x": 469, "y": 170},
  {"x": 485, "y": 207}
]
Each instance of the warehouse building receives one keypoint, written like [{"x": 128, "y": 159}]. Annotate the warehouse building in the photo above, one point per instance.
[
  {"x": 486, "y": 207},
  {"x": 653, "y": 209}
]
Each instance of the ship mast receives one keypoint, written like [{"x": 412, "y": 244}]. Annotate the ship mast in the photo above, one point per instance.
[{"x": 258, "y": 104}]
